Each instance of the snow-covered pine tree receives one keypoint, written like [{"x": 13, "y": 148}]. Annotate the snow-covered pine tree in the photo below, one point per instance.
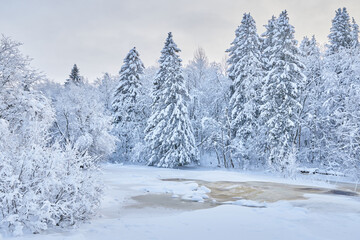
[
  {"x": 245, "y": 101},
  {"x": 281, "y": 95},
  {"x": 340, "y": 100},
  {"x": 268, "y": 41},
  {"x": 354, "y": 33},
  {"x": 169, "y": 132},
  {"x": 340, "y": 33},
  {"x": 233, "y": 58},
  {"x": 127, "y": 106},
  {"x": 339, "y": 110},
  {"x": 128, "y": 90},
  {"x": 74, "y": 76}
]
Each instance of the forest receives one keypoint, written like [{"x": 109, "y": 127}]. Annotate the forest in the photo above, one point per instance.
[{"x": 272, "y": 105}]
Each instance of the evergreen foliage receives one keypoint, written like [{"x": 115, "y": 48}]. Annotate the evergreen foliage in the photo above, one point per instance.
[
  {"x": 340, "y": 32},
  {"x": 245, "y": 100},
  {"x": 354, "y": 34},
  {"x": 128, "y": 106},
  {"x": 74, "y": 76},
  {"x": 281, "y": 95},
  {"x": 169, "y": 132}
]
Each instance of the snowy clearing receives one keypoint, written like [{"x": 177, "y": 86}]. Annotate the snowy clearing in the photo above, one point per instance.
[{"x": 139, "y": 204}]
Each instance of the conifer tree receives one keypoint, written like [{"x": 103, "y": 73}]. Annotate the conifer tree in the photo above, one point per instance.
[
  {"x": 245, "y": 100},
  {"x": 169, "y": 133},
  {"x": 74, "y": 76},
  {"x": 340, "y": 32},
  {"x": 340, "y": 100},
  {"x": 127, "y": 106},
  {"x": 341, "y": 81},
  {"x": 233, "y": 57},
  {"x": 354, "y": 34},
  {"x": 128, "y": 91},
  {"x": 281, "y": 96},
  {"x": 268, "y": 41}
]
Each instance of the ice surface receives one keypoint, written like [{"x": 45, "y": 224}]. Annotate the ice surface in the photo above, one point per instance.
[{"x": 318, "y": 216}]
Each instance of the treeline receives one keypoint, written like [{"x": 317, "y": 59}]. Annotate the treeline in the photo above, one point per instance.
[{"x": 275, "y": 104}]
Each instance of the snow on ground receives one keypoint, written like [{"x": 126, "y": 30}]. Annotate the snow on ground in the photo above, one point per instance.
[{"x": 138, "y": 204}]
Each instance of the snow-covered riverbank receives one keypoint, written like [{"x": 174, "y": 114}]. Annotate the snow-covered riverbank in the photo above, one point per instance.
[{"x": 139, "y": 204}]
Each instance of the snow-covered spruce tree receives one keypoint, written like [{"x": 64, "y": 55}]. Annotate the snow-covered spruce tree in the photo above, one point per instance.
[
  {"x": 340, "y": 32},
  {"x": 339, "y": 113},
  {"x": 169, "y": 133},
  {"x": 42, "y": 184},
  {"x": 128, "y": 108},
  {"x": 245, "y": 100},
  {"x": 311, "y": 128},
  {"x": 74, "y": 76},
  {"x": 354, "y": 34},
  {"x": 268, "y": 42},
  {"x": 281, "y": 95}
]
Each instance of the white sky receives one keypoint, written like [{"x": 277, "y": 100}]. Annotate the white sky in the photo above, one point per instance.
[{"x": 97, "y": 34}]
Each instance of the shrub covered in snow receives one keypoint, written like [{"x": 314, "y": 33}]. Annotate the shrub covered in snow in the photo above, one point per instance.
[
  {"x": 82, "y": 121},
  {"x": 42, "y": 184}
]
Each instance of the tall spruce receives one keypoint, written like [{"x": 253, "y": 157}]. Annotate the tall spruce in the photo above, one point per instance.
[
  {"x": 340, "y": 100},
  {"x": 127, "y": 106},
  {"x": 354, "y": 34},
  {"x": 340, "y": 32},
  {"x": 281, "y": 96},
  {"x": 74, "y": 76},
  {"x": 247, "y": 73},
  {"x": 128, "y": 90},
  {"x": 169, "y": 132},
  {"x": 268, "y": 41}
]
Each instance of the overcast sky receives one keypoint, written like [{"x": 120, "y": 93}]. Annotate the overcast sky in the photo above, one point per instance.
[{"x": 97, "y": 34}]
